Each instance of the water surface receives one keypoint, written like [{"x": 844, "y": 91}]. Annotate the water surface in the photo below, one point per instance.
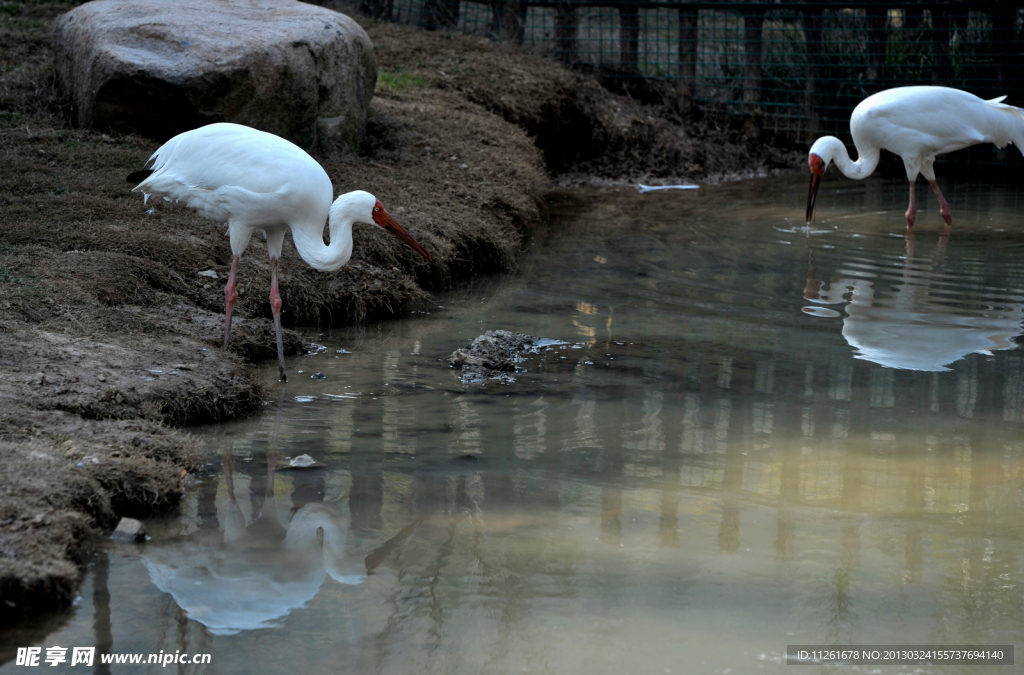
[{"x": 755, "y": 434}]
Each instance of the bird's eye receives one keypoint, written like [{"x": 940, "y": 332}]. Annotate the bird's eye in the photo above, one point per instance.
[{"x": 376, "y": 208}]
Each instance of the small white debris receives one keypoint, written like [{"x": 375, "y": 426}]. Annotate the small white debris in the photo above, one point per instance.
[
  {"x": 302, "y": 461},
  {"x": 129, "y": 529},
  {"x": 649, "y": 188},
  {"x": 208, "y": 273}
]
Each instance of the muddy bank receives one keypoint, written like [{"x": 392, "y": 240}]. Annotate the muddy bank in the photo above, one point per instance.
[
  {"x": 587, "y": 134},
  {"x": 111, "y": 312}
]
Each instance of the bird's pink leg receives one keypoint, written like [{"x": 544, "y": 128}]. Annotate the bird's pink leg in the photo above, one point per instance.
[
  {"x": 947, "y": 213},
  {"x": 912, "y": 209},
  {"x": 230, "y": 298},
  {"x": 275, "y": 306}
]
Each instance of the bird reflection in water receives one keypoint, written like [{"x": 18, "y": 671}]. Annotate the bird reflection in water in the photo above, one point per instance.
[
  {"x": 251, "y": 575},
  {"x": 916, "y": 317}
]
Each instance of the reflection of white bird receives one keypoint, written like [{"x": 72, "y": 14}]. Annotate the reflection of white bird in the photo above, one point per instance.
[
  {"x": 909, "y": 321},
  {"x": 916, "y": 123},
  {"x": 928, "y": 339},
  {"x": 258, "y": 181},
  {"x": 254, "y": 578},
  {"x": 254, "y": 575}
]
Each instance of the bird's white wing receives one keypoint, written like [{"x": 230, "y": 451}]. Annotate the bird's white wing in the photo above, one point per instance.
[
  {"x": 231, "y": 202},
  {"x": 228, "y": 171},
  {"x": 922, "y": 122}
]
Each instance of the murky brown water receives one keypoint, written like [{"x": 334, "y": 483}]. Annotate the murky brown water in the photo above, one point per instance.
[{"x": 757, "y": 435}]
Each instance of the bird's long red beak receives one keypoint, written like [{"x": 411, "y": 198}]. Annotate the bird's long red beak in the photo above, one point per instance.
[
  {"x": 817, "y": 171},
  {"x": 381, "y": 217}
]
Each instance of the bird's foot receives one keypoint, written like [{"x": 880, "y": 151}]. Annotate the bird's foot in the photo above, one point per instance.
[
  {"x": 911, "y": 217},
  {"x": 947, "y": 214},
  {"x": 227, "y": 329}
]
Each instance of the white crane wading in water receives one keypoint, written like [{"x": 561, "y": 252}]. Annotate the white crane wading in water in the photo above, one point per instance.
[
  {"x": 253, "y": 180},
  {"x": 916, "y": 123}
]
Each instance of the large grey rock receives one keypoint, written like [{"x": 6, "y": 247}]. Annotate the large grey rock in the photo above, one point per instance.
[{"x": 159, "y": 68}]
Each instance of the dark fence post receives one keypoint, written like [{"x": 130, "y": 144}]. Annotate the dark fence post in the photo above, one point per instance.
[
  {"x": 566, "y": 27},
  {"x": 513, "y": 19},
  {"x": 812, "y": 39},
  {"x": 878, "y": 42},
  {"x": 942, "y": 70},
  {"x": 494, "y": 27},
  {"x": 688, "y": 27},
  {"x": 1005, "y": 55},
  {"x": 629, "y": 36},
  {"x": 378, "y": 9},
  {"x": 753, "y": 18},
  {"x": 440, "y": 14},
  {"x": 913, "y": 19}
]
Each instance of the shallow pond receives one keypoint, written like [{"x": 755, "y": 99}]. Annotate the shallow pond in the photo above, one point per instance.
[{"x": 754, "y": 435}]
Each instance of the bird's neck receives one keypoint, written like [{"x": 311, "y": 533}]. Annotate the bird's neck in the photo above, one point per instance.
[
  {"x": 867, "y": 158},
  {"x": 303, "y": 529},
  {"x": 309, "y": 241}
]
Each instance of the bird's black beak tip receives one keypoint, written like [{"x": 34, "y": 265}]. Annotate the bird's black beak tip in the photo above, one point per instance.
[{"x": 812, "y": 194}]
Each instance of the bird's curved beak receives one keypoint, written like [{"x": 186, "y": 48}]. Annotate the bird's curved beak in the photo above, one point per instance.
[
  {"x": 817, "y": 171},
  {"x": 381, "y": 217}
]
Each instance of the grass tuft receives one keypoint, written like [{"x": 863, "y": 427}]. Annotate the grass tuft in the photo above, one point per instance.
[{"x": 398, "y": 80}]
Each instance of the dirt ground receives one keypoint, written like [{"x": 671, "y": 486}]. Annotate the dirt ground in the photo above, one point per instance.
[{"x": 109, "y": 333}]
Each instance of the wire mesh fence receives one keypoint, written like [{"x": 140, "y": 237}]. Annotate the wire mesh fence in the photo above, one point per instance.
[{"x": 791, "y": 70}]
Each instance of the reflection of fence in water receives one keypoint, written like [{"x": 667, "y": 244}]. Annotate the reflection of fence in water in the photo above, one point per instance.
[
  {"x": 768, "y": 428},
  {"x": 793, "y": 69},
  {"x": 668, "y": 463}
]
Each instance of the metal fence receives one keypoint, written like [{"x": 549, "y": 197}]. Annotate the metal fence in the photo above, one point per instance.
[{"x": 792, "y": 70}]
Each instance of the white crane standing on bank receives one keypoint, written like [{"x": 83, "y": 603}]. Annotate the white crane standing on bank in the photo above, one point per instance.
[
  {"x": 253, "y": 180},
  {"x": 916, "y": 123}
]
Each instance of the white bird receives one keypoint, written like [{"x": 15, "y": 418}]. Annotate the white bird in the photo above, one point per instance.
[
  {"x": 253, "y": 180},
  {"x": 916, "y": 123}
]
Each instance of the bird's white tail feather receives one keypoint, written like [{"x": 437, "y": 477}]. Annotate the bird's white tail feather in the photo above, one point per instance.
[
  {"x": 166, "y": 183},
  {"x": 1014, "y": 120},
  {"x": 158, "y": 183},
  {"x": 999, "y": 105}
]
